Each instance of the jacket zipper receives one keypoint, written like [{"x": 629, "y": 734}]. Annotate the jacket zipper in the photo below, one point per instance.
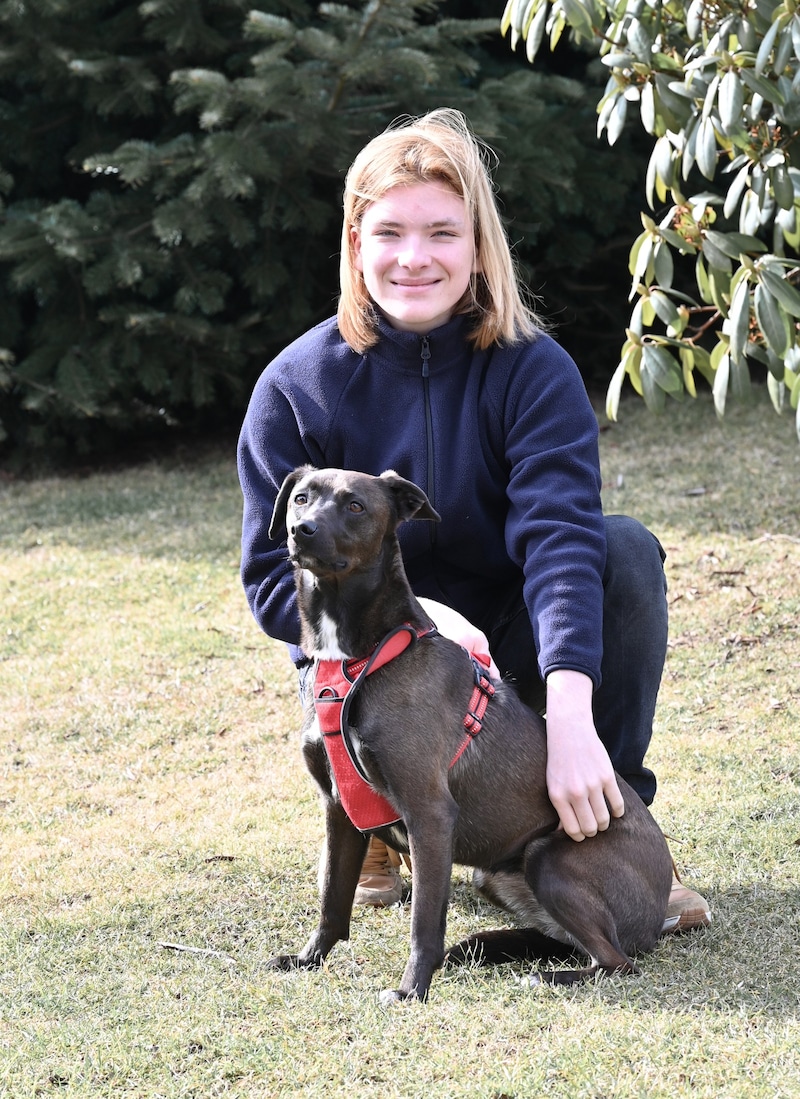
[{"x": 426, "y": 389}]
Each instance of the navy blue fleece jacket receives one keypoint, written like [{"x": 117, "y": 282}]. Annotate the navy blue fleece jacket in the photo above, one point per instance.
[{"x": 503, "y": 441}]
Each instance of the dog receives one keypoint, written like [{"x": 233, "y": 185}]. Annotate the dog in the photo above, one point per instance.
[{"x": 480, "y": 801}]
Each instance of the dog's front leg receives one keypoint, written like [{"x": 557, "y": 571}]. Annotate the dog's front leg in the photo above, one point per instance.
[
  {"x": 431, "y": 845},
  {"x": 340, "y": 867}
]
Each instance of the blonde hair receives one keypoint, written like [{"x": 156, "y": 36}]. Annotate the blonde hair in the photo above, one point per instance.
[{"x": 440, "y": 148}]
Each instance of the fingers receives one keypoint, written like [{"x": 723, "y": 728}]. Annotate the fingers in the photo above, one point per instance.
[
  {"x": 614, "y": 798},
  {"x": 585, "y": 816},
  {"x": 580, "y": 821},
  {"x": 569, "y": 822}
]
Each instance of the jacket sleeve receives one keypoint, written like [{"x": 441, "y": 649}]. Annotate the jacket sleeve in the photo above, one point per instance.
[
  {"x": 271, "y": 445},
  {"x": 555, "y": 529}
]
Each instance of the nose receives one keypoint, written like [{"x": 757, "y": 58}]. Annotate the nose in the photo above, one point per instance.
[
  {"x": 306, "y": 529},
  {"x": 414, "y": 255}
]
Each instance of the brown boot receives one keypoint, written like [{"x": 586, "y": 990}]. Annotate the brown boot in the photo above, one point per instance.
[
  {"x": 380, "y": 883},
  {"x": 686, "y": 909}
]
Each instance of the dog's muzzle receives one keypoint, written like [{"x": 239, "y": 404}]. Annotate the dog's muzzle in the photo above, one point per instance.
[{"x": 308, "y": 550}]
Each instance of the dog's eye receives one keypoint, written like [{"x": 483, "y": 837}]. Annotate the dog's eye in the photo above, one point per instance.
[
  {"x": 301, "y": 498},
  {"x": 355, "y": 507}
]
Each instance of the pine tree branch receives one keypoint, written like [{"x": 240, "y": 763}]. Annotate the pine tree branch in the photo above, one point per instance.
[{"x": 372, "y": 14}]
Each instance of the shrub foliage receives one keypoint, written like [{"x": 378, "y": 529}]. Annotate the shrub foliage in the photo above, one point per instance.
[{"x": 717, "y": 85}]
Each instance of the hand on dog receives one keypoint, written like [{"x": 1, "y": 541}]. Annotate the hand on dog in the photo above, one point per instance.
[
  {"x": 451, "y": 624},
  {"x": 580, "y": 778}
]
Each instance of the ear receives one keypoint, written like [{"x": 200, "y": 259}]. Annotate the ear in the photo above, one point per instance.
[
  {"x": 355, "y": 237},
  {"x": 277, "y": 526},
  {"x": 409, "y": 500}
]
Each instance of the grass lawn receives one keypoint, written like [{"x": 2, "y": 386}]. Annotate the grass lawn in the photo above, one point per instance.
[{"x": 159, "y": 835}]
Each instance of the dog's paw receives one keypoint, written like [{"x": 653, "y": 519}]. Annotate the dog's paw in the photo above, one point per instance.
[
  {"x": 391, "y": 996},
  {"x": 284, "y": 962},
  {"x": 529, "y": 980}
]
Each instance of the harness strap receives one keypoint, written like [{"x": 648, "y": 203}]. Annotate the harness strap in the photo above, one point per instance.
[
  {"x": 336, "y": 683},
  {"x": 479, "y": 700}
]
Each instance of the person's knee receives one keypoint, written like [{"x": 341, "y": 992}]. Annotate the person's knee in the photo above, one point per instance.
[{"x": 635, "y": 557}]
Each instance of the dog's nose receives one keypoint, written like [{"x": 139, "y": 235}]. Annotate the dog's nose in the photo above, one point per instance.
[{"x": 305, "y": 529}]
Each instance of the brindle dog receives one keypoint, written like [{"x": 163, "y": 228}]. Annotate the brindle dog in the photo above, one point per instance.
[{"x": 604, "y": 897}]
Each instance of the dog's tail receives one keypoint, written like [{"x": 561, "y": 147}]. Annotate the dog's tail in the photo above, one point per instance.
[{"x": 524, "y": 944}]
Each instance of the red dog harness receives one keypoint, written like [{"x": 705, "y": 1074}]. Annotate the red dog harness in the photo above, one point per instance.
[{"x": 336, "y": 683}]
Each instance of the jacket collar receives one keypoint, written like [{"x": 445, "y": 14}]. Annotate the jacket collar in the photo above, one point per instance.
[{"x": 448, "y": 344}]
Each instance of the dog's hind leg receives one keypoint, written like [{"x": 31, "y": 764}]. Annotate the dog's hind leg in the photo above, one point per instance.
[
  {"x": 506, "y": 887},
  {"x": 340, "y": 867},
  {"x": 580, "y": 912},
  {"x": 561, "y": 918},
  {"x": 528, "y": 944}
]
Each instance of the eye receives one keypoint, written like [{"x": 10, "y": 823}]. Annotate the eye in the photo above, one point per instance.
[
  {"x": 301, "y": 498},
  {"x": 355, "y": 507}
]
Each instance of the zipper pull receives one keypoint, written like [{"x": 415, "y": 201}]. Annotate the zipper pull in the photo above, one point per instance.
[{"x": 426, "y": 354}]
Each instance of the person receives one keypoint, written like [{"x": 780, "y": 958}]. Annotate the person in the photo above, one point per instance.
[{"x": 438, "y": 367}]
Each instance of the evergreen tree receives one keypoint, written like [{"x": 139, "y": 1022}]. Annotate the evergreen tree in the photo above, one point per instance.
[{"x": 172, "y": 172}]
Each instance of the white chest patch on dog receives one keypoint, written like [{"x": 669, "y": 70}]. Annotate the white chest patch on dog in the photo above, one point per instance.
[
  {"x": 326, "y": 642},
  {"x": 312, "y": 733}
]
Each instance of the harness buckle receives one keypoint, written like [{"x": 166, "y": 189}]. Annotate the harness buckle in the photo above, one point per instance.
[{"x": 481, "y": 694}]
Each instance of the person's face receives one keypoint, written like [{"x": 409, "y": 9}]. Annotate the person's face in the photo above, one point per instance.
[{"x": 416, "y": 251}]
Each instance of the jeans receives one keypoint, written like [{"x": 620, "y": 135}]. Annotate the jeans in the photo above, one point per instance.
[{"x": 634, "y": 649}]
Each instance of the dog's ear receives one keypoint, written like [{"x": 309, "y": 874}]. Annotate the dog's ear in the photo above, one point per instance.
[
  {"x": 277, "y": 526},
  {"x": 409, "y": 500}
]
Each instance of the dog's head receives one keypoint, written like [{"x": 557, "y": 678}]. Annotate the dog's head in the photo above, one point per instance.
[{"x": 336, "y": 520}]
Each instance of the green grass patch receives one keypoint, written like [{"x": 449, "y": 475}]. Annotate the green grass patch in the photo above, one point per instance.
[{"x": 153, "y": 798}]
